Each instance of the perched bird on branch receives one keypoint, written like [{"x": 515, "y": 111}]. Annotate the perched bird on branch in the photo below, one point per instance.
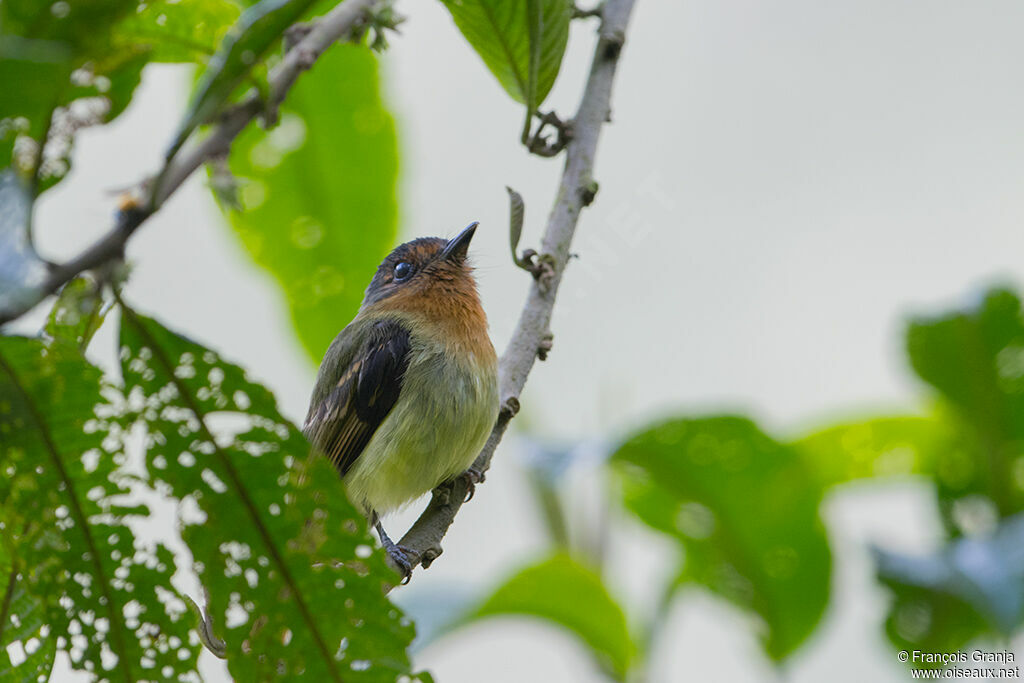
[{"x": 408, "y": 392}]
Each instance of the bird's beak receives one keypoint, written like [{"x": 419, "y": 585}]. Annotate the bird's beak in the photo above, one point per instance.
[{"x": 457, "y": 246}]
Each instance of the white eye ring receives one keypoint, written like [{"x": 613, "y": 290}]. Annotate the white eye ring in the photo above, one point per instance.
[{"x": 403, "y": 271}]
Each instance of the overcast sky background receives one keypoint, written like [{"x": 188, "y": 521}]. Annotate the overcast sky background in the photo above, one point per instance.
[{"x": 782, "y": 184}]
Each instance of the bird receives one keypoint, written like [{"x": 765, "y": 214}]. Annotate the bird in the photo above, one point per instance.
[{"x": 407, "y": 393}]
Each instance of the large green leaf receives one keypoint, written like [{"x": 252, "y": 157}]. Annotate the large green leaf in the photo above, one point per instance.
[
  {"x": 879, "y": 447},
  {"x": 297, "y": 590},
  {"x": 521, "y": 42},
  {"x": 259, "y": 27},
  {"x": 745, "y": 509},
  {"x": 81, "y": 582},
  {"x": 563, "y": 591},
  {"x": 975, "y": 358},
  {"x": 979, "y": 581},
  {"x": 318, "y": 192}
]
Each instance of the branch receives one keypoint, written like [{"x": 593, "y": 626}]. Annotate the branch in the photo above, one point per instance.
[
  {"x": 345, "y": 20},
  {"x": 531, "y": 338}
]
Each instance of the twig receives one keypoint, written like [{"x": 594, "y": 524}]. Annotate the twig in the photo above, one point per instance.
[
  {"x": 344, "y": 19},
  {"x": 539, "y": 144},
  {"x": 580, "y": 13},
  {"x": 531, "y": 336}
]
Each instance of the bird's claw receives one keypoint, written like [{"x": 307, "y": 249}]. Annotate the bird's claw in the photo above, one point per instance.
[
  {"x": 400, "y": 559},
  {"x": 472, "y": 476}
]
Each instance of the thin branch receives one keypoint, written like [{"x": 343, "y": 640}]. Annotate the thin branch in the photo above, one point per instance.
[
  {"x": 580, "y": 13},
  {"x": 531, "y": 336},
  {"x": 343, "y": 21},
  {"x": 539, "y": 144}
]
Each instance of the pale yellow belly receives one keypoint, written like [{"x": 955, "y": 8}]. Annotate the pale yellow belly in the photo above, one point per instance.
[{"x": 430, "y": 435}]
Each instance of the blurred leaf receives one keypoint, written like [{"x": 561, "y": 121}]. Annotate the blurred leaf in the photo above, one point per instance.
[
  {"x": 879, "y": 447},
  {"x": 44, "y": 50},
  {"x": 296, "y": 589},
  {"x": 78, "y": 312},
  {"x": 319, "y": 192},
  {"x": 921, "y": 620},
  {"x": 84, "y": 584},
  {"x": 177, "y": 30},
  {"x": 82, "y": 26},
  {"x": 562, "y": 591},
  {"x": 979, "y": 580},
  {"x": 744, "y": 508},
  {"x": 259, "y": 27},
  {"x": 21, "y": 270},
  {"x": 92, "y": 54},
  {"x": 975, "y": 359},
  {"x": 33, "y": 72},
  {"x": 522, "y": 43}
]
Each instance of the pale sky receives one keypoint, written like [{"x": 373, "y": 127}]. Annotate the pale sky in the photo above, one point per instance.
[{"x": 782, "y": 183}]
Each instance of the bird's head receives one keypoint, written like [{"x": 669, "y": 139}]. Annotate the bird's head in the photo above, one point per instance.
[{"x": 423, "y": 274}]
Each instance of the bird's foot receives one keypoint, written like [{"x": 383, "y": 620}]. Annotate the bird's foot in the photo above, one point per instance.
[
  {"x": 400, "y": 559},
  {"x": 472, "y": 476}
]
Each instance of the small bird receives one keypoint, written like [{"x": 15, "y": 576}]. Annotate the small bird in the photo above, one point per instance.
[{"x": 407, "y": 393}]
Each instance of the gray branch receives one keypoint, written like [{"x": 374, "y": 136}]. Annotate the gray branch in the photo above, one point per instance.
[
  {"x": 531, "y": 337},
  {"x": 345, "y": 20}
]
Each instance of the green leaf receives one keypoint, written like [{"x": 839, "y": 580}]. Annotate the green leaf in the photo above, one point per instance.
[
  {"x": 17, "y": 664},
  {"x": 516, "y": 214},
  {"x": 745, "y": 509},
  {"x": 177, "y": 30},
  {"x": 562, "y": 591},
  {"x": 878, "y": 447},
  {"x": 319, "y": 192},
  {"x": 980, "y": 581},
  {"x": 78, "y": 312},
  {"x": 522, "y": 43},
  {"x": 296, "y": 588},
  {"x": 105, "y": 45},
  {"x": 41, "y": 45},
  {"x": 81, "y": 26},
  {"x": 975, "y": 359},
  {"x": 259, "y": 27},
  {"x": 34, "y": 73},
  {"x": 103, "y": 597}
]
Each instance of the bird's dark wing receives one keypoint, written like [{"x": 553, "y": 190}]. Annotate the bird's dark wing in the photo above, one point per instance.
[{"x": 343, "y": 421}]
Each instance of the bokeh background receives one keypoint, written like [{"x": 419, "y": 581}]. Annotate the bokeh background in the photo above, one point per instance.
[{"x": 781, "y": 185}]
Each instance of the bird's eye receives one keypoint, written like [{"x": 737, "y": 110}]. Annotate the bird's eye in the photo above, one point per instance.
[{"x": 403, "y": 271}]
